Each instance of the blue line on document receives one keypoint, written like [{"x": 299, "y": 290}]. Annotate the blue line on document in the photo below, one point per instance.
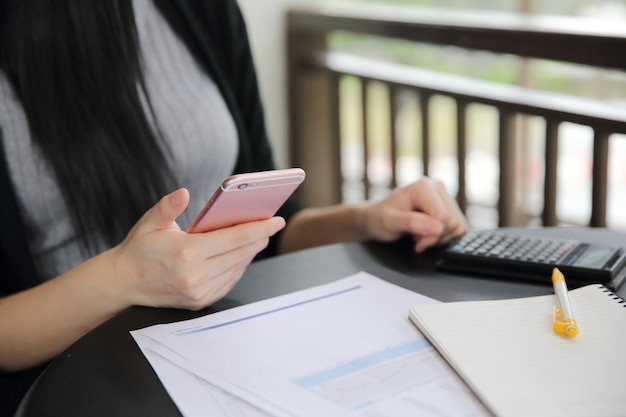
[
  {"x": 361, "y": 363},
  {"x": 265, "y": 313}
]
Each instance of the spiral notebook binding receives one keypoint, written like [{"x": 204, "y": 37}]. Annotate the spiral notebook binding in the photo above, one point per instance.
[{"x": 613, "y": 295}]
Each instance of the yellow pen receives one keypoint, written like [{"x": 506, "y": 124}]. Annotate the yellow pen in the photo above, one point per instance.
[{"x": 563, "y": 318}]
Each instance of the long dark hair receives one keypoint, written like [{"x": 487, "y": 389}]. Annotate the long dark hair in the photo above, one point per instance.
[{"x": 76, "y": 68}]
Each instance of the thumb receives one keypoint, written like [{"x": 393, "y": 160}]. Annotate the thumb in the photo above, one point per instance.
[{"x": 165, "y": 212}]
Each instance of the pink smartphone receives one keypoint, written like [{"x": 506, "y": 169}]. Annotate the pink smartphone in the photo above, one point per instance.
[{"x": 247, "y": 197}]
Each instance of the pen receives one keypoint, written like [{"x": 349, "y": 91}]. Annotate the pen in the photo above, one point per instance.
[{"x": 563, "y": 318}]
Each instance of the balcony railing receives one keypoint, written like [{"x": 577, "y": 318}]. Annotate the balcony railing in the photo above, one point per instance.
[{"x": 315, "y": 73}]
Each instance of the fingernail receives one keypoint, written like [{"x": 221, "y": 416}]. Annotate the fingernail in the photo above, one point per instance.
[
  {"x": 175, "y": 200},
  {"x": 177, "y": 197},
  {"x": 279, "y": 222}
]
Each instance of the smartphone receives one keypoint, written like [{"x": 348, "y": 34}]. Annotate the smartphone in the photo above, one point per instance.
[{"x": 243, "y": 198}]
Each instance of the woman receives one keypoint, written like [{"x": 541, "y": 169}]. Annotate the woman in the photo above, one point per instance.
[{"x": 104, "y": 108}]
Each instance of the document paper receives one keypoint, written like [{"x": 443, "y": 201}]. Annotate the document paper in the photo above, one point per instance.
[{"x": 345, "y": 348}]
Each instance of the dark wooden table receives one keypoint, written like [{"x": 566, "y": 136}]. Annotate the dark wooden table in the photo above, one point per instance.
[{"x": 105, "y": 374}]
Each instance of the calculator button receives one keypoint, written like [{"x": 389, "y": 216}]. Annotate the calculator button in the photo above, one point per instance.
[{"x": 502, "y": 246}]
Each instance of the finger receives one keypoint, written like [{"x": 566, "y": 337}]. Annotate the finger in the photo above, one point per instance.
[
  {"x": 230, "y": 238},
  {"x": 437, "y": 202},
  {"x": 452, "y": 227},
  {"x": 223, "y": 273},
  {"x": 213, "y": 289},
  {"x": 442, "y": 206},
  {"x": 456, "y": 221},
  {"x": 238, "y": 257},
  {"x": 415, "y": 223},
  {"x": 165, "y": 212},
  {"x": 425, "y": 242},
  {"x": 425, "y": 196}
]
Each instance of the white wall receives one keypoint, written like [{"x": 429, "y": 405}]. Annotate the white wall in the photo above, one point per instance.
[{"x": 266, "y": 26}]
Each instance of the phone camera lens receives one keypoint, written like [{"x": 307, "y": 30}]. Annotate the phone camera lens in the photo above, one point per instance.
[{"x": 242, "y": 186}]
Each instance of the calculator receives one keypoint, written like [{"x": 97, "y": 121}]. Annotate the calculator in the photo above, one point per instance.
[{"x": 505, "y": 254}]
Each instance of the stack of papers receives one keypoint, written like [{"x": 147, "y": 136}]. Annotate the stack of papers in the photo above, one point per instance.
[{"x": 345, "y": 348}]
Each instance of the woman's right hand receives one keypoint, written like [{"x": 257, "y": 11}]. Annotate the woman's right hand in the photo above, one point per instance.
[{"x": 160, "y": 265}]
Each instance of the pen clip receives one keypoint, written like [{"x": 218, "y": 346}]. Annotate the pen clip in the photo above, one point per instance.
[{"x": 566, "y": 327}]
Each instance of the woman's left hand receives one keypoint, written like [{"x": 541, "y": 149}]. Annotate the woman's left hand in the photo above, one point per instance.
[{"x": 423, "y": 209}]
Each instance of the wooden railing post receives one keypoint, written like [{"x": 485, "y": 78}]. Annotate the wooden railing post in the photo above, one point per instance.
[
  {"x": 599, "y": 178},
  {"x": 424, "y": 100},
  {"x": 506, "y": 201},
  {"x": 393, "y": 134},
  {"x": 461, "y": 152},
  {"x": 314, "y": 121},
  {"x": 548, "y": 216},
  {"x": 366, "y": 135}
]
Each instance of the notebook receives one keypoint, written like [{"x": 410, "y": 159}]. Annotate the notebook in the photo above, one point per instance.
[{"x": 508, "y": 354}]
